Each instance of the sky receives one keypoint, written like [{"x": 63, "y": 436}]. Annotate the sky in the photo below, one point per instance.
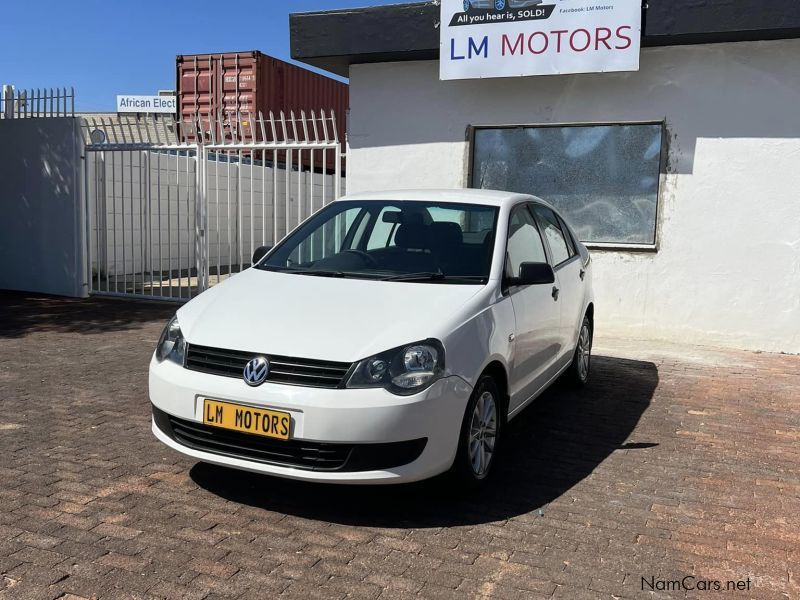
[{"x": 107, "y": 47}]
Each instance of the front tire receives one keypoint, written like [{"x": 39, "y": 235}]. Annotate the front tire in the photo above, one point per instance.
[
  {"x": 481, "y": 429},
  {"x": 578, "y": 373}
]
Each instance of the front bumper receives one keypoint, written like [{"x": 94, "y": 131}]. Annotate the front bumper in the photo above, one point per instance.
[{"x": 325, "y": 418}]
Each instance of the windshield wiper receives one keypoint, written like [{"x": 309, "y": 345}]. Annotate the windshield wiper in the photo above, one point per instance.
[
  {"x": 432, "y": 276},
  {"x": 422, "y": 275},
  {"x": 315, "y": 272}
]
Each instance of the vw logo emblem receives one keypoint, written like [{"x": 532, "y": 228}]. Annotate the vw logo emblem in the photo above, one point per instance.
[{"x": 255, "y": 371}]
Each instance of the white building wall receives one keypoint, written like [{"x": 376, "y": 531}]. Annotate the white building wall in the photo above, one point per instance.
[{"x": 727, "y": 269}]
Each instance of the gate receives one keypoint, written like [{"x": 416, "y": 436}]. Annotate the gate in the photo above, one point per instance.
[{"x": 173, "y": 207}]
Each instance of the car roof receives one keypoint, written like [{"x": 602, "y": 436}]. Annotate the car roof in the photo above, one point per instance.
[{"x": 459, "y": 196}]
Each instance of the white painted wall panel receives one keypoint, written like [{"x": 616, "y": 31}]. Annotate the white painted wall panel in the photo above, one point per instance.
[{"x": 41, "y": 225}]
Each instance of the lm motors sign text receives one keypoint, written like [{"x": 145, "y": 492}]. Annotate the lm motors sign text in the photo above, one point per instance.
[{"x": 507, "y": 38}]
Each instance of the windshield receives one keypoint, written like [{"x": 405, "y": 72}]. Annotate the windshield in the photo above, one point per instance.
[{"x": 392, "y": 240}]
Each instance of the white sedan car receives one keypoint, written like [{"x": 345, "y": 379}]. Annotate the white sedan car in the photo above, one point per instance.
[{"x": 389, "y": 338}]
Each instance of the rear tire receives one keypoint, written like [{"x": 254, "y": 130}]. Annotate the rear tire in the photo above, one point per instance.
[
  {"x": 578, "y": 372},
  {"x": 479, "y": 440}
]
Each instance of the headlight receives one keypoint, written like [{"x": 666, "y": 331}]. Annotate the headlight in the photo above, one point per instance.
[
  {"x": 171, "y": 345},
  {"x": 404, "y": 370}
]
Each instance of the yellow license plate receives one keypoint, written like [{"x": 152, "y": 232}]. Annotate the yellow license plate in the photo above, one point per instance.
[{"x": 259, "y": 421}]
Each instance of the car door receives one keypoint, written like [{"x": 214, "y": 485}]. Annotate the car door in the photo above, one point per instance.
[
  {"x": 536, "y": 312},
  {"x": 569, "y": 277}
]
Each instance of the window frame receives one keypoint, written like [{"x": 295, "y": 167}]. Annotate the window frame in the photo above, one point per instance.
[{"x": 662, "y": 171}]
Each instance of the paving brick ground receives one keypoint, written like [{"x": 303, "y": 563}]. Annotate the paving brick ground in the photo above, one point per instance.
[{"x": 673, "y": 462}]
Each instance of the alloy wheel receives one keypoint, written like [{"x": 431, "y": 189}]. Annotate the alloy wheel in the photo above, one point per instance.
[
  {"x": 584, "y": 351},
  {"x": 483, "y": 434}
]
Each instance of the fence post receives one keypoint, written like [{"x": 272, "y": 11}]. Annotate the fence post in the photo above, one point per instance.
[
  {"x": 201, "y": 215},
  {"x": 8, "y": 101},
  {"x": 338, "y": 173},
  {"x": 86, "y": 213}
]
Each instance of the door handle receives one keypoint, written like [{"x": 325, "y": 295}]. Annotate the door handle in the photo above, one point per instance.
[
  {"x": 582, "y": 274},
  {"x": 555, "y": 293}
]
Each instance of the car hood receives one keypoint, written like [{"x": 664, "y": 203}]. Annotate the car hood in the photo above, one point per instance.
[{"x": 322, "y": 318}]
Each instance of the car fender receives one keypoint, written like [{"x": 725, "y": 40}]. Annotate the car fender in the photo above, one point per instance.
[{"x": 486, "y": 336}]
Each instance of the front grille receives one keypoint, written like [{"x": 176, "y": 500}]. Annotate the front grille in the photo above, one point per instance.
[
  {"x": 313, "y": 456},
  {"x": 282, "y": 369}
]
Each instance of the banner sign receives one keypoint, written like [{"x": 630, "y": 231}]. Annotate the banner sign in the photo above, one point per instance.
[
  {"x": 147, "y": 104},
  {"x": 511, "y": 38}
]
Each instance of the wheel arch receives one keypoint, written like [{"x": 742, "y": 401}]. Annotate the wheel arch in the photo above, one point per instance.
[{"x": 497, "y": 371}]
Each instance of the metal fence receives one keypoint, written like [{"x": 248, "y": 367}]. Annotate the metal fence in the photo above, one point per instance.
[
  {"x": 23, "y": 104},
  {"x": 172, "y": 208}
]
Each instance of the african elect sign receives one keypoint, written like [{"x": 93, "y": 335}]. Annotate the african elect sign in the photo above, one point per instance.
[{"x": 508, "y": 38}]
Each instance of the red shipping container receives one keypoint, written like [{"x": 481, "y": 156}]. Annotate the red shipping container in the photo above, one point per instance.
[{"x": 249, "y": 82}]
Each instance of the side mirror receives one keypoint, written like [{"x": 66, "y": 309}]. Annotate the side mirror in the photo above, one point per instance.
[
  {"x": 260, "y": 253},
  {"x": 534, "y": 273}
]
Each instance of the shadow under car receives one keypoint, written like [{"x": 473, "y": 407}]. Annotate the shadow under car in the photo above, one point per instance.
[{"x": 549, "y": 448}]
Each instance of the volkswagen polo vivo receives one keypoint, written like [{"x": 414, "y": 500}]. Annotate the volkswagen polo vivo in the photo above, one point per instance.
[{"x": 388, "y": 338}]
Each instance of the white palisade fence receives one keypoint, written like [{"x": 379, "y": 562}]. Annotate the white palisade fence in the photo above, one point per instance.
[
  {"x": 36, "y": 103},
  {"x": 175, "y": 207}
]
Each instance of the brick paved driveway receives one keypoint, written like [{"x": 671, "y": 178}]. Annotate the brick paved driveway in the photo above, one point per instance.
[{"x": 673, "y": 462}]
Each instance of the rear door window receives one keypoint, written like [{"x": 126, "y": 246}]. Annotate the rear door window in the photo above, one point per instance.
[
  {"x": 551, "y": 227},
  {"x": 524, "y": 241}
]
